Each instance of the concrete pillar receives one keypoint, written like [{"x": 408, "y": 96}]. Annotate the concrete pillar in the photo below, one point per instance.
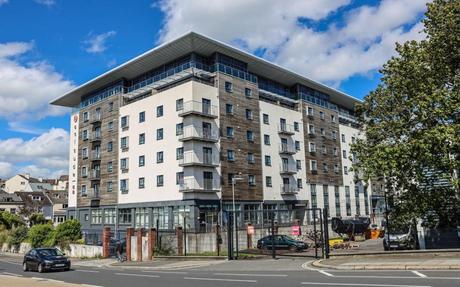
[
  {"x": 129, "y": 233},
  {"x": 139, "y": 244},
  {"x": 152, "y": 239},
  {"x": 106, "y": 242},
  {"x": 180, "y": 241}
]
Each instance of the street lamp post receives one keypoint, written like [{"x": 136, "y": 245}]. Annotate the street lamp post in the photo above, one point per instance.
[{"x": 234, "y": 179}]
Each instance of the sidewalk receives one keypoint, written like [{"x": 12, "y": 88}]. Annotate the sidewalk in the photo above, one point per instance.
[
  {"x": 8, "y": 281},
  {"x": 419, "y": 261}
]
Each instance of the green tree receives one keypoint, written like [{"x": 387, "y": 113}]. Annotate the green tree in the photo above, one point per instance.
[
  {"x": 42, "y": 235},
  {"x": 9, "y": 220},
  {"x": 68, "y": 232},
  {"x": 412, "y": 126},
  {"x": 17, "y": 236},
  {"x": 37, "y": 218}
]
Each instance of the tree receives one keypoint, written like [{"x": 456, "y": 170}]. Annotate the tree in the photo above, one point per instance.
[
  {"x": 412, "y": 125},
  {"x": 17, "y": 236},
  {"x": 10, "y": 220},
  {"x": 67, "y": 232},
  {"x": 42, "y": 235},
  {"x": 37, "y": 218}
]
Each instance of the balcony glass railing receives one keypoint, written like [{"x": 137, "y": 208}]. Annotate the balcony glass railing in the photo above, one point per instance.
[
  {"x": 95, "y": 155},
  {"x": 286, "y": 129},
  {"x": 289, "y": 189},
  {"x": 191, "y": 184},
  {"x": 288, "y": 168},
  {"x": 198, "y": 107},
  {"x": 190, "y": 132},
  {"x": 95, "y": 174},
  {"x": 191, "y": 158},
  {"x": 287, "y": 148}
]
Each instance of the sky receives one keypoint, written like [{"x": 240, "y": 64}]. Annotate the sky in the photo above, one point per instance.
[{"x": 48, "y": 47}]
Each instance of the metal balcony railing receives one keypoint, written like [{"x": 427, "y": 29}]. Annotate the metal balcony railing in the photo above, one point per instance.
[
  {"x": 95, "y": 118},
  {"x": 192, "y": 133},
  {"x": 96, "y": 136},
  {"x": 287, "y": 149},
  {"x": 199, "y": 108},
  {"x": 288, "y": 169},
  {"x": 192, "y": 159},
  {"x": 289, "y": 189},
  {"x": 95, "y": 174},
  {"x": 192, "y": 185},
  {"x": 286, "y": 129},
  {"x": 95, "y": 155}
]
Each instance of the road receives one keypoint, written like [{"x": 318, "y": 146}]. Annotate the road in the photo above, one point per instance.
[{"x": 282, "y": 272}]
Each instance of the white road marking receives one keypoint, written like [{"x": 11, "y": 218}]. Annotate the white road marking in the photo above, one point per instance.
[
  {"x": 359, "y": 284},
  {"x": 165, "y": 272},
  {"x": 138, "y": 275},
  {"x": 306, "y": 267},
  {"x": 89, "y": 271},
  {"x": 419, "y": 274},
  {"x": 257, "y": 275},
  {"x": 325, "y": 273},
  {"x": 220, "y": 279},
  {"x": 12, "y": 274},
  {"x": 7, "y": 261}
]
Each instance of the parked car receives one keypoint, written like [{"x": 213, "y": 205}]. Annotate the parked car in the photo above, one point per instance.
[
  {"x": 399, "y": 238},
  {"x": 45, "y": 259},
  {"x": 281, "y": 242}
]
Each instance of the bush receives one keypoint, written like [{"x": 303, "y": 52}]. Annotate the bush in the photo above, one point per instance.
[
  {"x": 4, "y": 235},
  {"x": 17, "y": 236},
  {"x": 9, "y": 220},
  {"x": 42, "y": 235},
  {"x": 68, "y": 232},
  {"x": 37, "y": 218}
]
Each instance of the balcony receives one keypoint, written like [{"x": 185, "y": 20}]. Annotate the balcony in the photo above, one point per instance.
[
  {"x": 286, "y": 129},
  {"x": 287, "y": 149},
  {"x": 94, "y": 192},
  {"x": 95, "y": 137},
  {"x": 205, "y": 135},
  {"x": 192, "y": 159},
  {"x": 191, "y": 185},
  {"x": 199, "y": 109},
  {"x": 288, "y": 169},
  {"x": 95, "y": 155},
  {"x": 95, "y": 175},
  {"x": 95, "y": 118},
  {"x": 288, "y": 189}
]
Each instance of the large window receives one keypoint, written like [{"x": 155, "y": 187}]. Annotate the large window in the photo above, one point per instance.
[
  {"x": 179, "y": 213},
  {"x": 96, "y": 216},
  {"x": 160, "y": 216},
  {"x": 142, "y": 217},
  {"x": 109, "y": 215},
  {"x": 124, "y": 216}
]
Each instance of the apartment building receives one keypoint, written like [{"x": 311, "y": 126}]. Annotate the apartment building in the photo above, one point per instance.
[{"x": 161, "y": 137}]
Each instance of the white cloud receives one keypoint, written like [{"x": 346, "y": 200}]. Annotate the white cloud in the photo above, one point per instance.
[
  {"x": 6, "y": 169},
  {"x": 2, "y": 2},
  {"x": 96, "y": 43},
  {"x": 46, "y": 2},
  {"x": 44, "y": 155},
  {"x": 358, "y": 45},
  {"x": 27, "y": 88}
]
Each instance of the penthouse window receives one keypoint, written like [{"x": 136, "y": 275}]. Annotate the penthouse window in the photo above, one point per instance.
[
  {"x": 159, "y": 111},
  {"x": 228, "y": 87}
]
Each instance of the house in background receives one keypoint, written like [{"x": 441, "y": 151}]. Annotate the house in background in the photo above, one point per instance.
[
  {"x": 36, "y": 202},
  {"x": 24, "y": 182},
  {"x": 58, "y": 199},
  {"x": 10, "y": 202}
]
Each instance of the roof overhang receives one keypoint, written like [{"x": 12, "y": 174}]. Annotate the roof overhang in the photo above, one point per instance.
[{"x": 193, "y": 42}]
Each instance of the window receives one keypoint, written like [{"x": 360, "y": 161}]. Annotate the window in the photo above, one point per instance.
[
  {"x": 142, "y": 117},
  {"x": 335, "y": 151},
  {"x": 179, "y": 104},
  {"x": 124, "y": 122},
  {"x": 229, "y": 109},
  {"x": 84, "y": 135},
  {"x": 334, "y": 135},
  {"x": 310, "y": 111},
  {"x": 160, "y": 180},
  {"x": 230, "y": 177},
  {"x": 314, "y": 201},
  {"x": 268, "y": 181},
  {"x": 141, "y": 182},
  {"x": 313, "y": 165},
  {"x": 250, "y": 136},
  {"x": 323, "y": 149},
  {"x": 110, "y": 126},
  {"x": 321, "y": 115},
  {"x": 123, "y": 163},
  {"x": 110, "y": 106},
  {"x": 266, "y": 139},
  {"x": 159, "y": 111},
  {"x": 296, "y": 126},
  {"x": 85, "y": 116},
  {"x": 252, "y": 180},
  {"x": 268, "y": 160},
  {"x": 266, "y": 119},
  {"x": 312, "y": 147},
  {"x": 298, "y": 164},
  {"x": 337, "y": 201},
  {"x": 326, "y": 197},
  {"x": 109, "y": 186},
  {"x": 110, "y": 146},
  {"x": 230, "y": 132},
  {"x": 159, "y": 157},
  {"x": 84, "y": 154},
  {"x": 179, "y": 129},
  {"x": 250, "y": 158},
  {"x": 110, "y": 166},
  {"x": 344, "y": 153},
  {"x": 228, "y": 87},
  {"x": 325, "y": 168},
  {"x": 179, "y": 153},
  {"x": 299, "y": 183},
  {"x": 248, "y": 92},
  {"x": 84, "y": 171},
  {"x": 180, "y": 177},
  {"x": 124, "y": 142},
  {"x": 124, "y": 186},
  {"x": 323, "y": 132},
  {"x": 142, "y": 160},
  {"x": 159, "y": 134},
  {"x": 348, "y": 200},
  {"x": 311, "y": 129},
  {"x": 297, "y": 145},
  {"x": 109, "y": 215},
  {"x": 96, "y": 216},
  {"x": 124, "y": 215},
  {"x": 343, "y": 138},
  {"x": 230, "y": 155},
  {"x": 249, "y": 115},
  {"x": 345, "y": 169},
  {"x": 336, "y": 168},
  {"x": 353, "y": 140},
  {"x": 142, "y": 139},
  {"x": 333, "y": 118}
]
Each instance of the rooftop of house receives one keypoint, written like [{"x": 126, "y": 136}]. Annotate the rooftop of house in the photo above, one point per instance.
[
  {"x": 30, "y": 196},
  {"x": 57, "y": 196}
]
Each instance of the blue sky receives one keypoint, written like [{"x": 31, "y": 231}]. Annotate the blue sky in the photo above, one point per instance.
[{"x": 50, "y": 46}]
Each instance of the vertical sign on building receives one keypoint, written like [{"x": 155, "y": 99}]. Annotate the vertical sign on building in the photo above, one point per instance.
[{"x": 73, "y": 160}]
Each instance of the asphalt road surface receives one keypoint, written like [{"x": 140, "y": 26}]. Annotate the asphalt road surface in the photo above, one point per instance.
[{"x": 282, "y": 272}]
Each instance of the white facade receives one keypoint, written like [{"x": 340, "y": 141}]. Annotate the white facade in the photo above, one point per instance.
[
  {"x": 23, "y": 182},
  {"x": 284, "y": 186},
  {"x": 73, "y": 160},
  {"x": 190, "y": 94}
]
